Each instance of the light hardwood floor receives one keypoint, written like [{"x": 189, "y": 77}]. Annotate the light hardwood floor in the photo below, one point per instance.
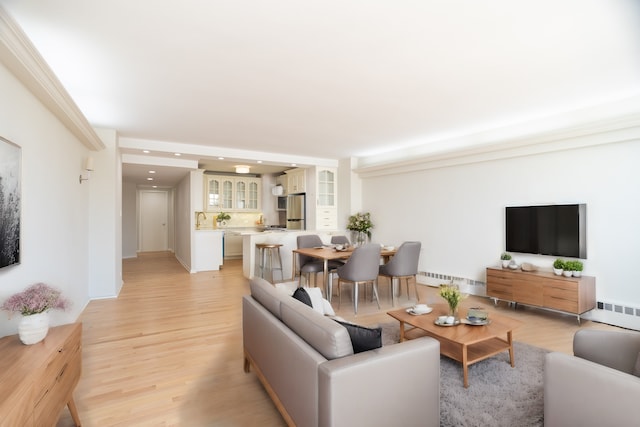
[{"x": 168, "y": 350}]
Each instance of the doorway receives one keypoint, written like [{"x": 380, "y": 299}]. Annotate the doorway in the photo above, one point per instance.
[{"x": 152, "y": 221}]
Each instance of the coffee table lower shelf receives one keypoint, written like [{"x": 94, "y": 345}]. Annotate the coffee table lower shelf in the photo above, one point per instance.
[{"x": 467, "y": 354}]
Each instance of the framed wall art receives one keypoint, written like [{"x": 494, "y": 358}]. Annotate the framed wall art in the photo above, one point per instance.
[{"x": 10, "y": 159}]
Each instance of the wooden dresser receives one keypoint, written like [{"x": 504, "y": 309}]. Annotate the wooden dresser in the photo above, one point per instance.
[
  {"x": 37, "y": 381},
  {"x": 573, "y": 295}
]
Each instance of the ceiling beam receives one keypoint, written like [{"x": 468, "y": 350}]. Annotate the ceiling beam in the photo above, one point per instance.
[{"x": 21, "y": 57}]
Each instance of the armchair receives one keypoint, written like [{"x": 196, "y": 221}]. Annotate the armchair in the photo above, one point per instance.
[{"x": 596, "y": 387}]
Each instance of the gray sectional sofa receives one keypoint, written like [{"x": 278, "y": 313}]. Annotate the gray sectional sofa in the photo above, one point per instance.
[{"x": 306, "y": 363}]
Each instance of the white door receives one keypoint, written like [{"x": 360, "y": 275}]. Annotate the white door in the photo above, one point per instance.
[{"x": 153, "y": 221}]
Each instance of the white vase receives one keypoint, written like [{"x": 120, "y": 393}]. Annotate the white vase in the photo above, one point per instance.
[
  {"x": 505, "y": 263},
  {"x": 32, "y": 329},
  {"x": 557, "y": 271},
  {"x": 567, "y": 273},
  {"x": 577, "y": 273}
]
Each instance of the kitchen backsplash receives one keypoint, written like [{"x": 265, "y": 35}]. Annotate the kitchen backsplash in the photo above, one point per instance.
[{"x": 238, "y": 219}]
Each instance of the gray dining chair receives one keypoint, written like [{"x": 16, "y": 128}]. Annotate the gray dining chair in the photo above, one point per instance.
[
  {"x": 403, "y": 265},
  {"x": 308, "y": 265},
  {"x": 360, "y": 268},
  {"x": 340, "y": 240}
]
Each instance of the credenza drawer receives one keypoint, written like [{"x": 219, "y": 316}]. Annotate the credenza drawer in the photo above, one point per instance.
[
  {"x": 499, "y": 290},
  {"x": 58, "y": 391},
  {"x": 543, "y": 289},
  {"x": 56, "y": 367},
  {"x": 561, "y": 304},
  {"x": 37, "y": 381}
]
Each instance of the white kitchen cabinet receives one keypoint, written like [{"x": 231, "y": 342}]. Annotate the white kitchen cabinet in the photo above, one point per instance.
[
  {"x": 296, "y": 180},
  {"x": 207, "y": 253},
  {"x": 232, "y": 244},
  {"x": 326, "y": 187},
  {"x": 327, "y": 219},
  {"x": 234, "y": 194},
  {"x": 325, "y": 197},
  {"x": 247, "y": 194},
  {"x": 213, "y": 193}
]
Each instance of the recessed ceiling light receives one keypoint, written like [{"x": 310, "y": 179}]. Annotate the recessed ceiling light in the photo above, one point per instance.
[
  {"x": 259, "y": 161},
  {"x": 152, "y": 171},
  {"x": 220, "y": 158},
  {"x": 154, "y": 186},
  {"x": 293, "y": 164},
  {"x": 149, "y": 179},
  {"x": 177, "y": 154},
  {"x": 146, "y": 151}
]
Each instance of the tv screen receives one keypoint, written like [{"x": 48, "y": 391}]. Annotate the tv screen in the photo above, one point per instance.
[{"x": 558, "y": 230}]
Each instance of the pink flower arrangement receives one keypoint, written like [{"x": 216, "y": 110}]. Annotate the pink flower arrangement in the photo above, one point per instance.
[{"x": 36, "y": 299}]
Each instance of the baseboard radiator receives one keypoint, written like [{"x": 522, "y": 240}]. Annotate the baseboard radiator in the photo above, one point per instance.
[{"x": 469, "y": 286}]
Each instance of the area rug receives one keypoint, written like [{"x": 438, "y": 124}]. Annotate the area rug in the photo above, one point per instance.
[{"x": 498, "y": 395}]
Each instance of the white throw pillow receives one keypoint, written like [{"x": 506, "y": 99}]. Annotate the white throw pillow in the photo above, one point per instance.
[{"x": 318, "y": 303}]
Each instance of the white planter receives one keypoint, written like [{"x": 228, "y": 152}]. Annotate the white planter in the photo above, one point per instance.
[
  {"x": 32, "y": 329},
  {"x": 577, "y": 273},
  {"x": 567, "y": 273},
  {"x": 557, "y": 271},
  {"x": 505, "y": 263}
]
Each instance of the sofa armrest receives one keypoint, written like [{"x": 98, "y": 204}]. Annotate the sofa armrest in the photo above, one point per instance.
[
  {"x": 578, "y": 392},
  {"x": 393, "y": 385},
  {"x": 615, "y": 349}
]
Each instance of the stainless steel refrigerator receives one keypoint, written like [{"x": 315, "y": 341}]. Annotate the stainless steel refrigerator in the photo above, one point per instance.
[{"x": 296, "y": 211}]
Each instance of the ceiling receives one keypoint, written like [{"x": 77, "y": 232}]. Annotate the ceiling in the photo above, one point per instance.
[{"x": 329, "y": 79}]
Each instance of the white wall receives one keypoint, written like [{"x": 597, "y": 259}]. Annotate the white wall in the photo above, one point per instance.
[
  {"x": 55, "y": 207},
  {"x": 457, "y": 212},
  {"x": 183, "y": 221},
  {"x": 129, "y": 220},
  {"x": 105, "y": 239}
]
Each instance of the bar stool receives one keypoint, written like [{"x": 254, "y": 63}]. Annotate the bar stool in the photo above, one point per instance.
[{"x": 269, "y": 250}]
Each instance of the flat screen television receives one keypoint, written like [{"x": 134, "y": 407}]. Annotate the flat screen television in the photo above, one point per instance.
[{"x": 558, "y": 230}]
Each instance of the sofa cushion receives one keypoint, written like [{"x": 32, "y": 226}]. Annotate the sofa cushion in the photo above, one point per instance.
[
  {"x": 323, "y": 334},
  {"x": 636, "y": 369},
  {"x": 363, "y": 339},
  {"x": 267, "y": 295}
]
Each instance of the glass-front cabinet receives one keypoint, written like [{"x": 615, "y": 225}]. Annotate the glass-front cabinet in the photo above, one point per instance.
[
  {"x": 326, "y": 212},
  {"x": 327, "y": 187},
  {"x": 213, "y": 197},
  {"x": 231, "y": 193}
]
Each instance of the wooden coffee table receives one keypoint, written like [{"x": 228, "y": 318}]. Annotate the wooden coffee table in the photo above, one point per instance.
[{"x": 464, "y": 343}]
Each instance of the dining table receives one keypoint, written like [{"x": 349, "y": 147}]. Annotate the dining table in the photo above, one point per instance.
[{"x": 328, "y": 253}]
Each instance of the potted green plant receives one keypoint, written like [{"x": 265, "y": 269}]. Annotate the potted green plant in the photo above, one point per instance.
[
  {"x": 222, "y": 218},
  {"x": 577, "y": 268},
  {"x": 568, "y": 268},
  {"x": 558, "y": 267},
  {"x": 506, "y": 259}
]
